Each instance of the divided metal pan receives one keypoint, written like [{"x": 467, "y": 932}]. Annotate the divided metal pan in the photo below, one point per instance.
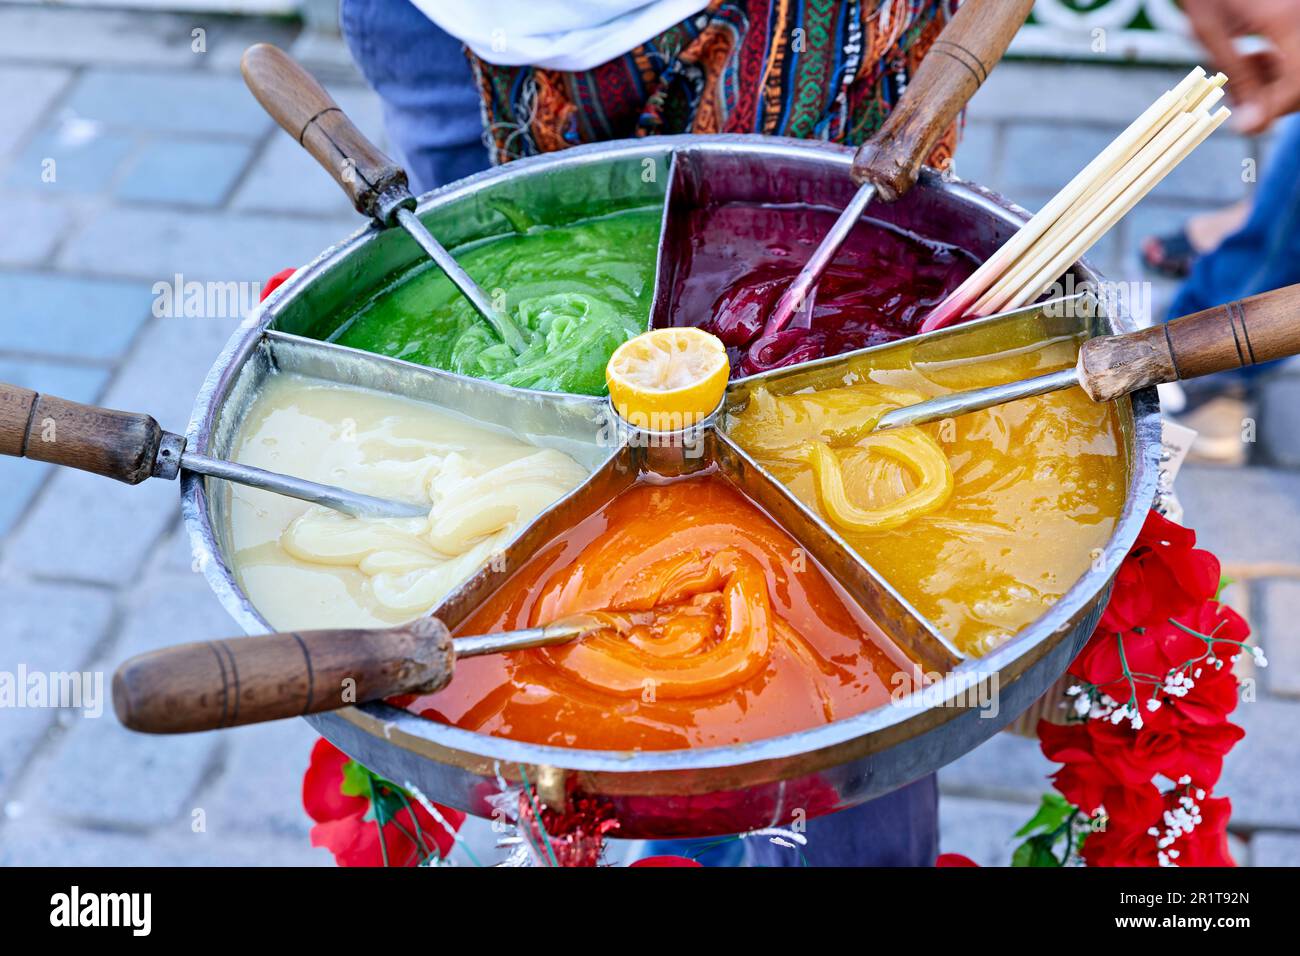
[{"x": 688, "y": 792}]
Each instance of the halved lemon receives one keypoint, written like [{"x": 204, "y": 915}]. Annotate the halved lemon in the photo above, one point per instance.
[{"x": 667, "y": 379}]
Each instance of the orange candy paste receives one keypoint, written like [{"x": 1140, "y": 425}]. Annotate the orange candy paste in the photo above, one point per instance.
[{"x": 722, "y": 630}]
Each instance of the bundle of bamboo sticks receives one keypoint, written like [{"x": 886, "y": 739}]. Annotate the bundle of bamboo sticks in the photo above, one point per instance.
[{"x": 1097, "y": 198}]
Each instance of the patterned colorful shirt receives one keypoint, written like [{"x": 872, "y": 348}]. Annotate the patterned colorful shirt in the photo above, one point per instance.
[{"x": 810, "y": 69}]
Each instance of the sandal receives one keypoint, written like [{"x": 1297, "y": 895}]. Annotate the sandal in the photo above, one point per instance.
[{"x": 1172, "y": 255}]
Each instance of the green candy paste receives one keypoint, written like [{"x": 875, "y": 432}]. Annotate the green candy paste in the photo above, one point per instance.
[{"x": 577, "y": 291}]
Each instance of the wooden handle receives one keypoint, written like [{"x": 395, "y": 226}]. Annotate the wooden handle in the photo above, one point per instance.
[
  {"x": 376, "y": 185},
  {"x": 121, "y": 445},
  {"x": 957, "y": 64},
  {"x": 247, "y": 680},
  {"x": 1247, "y": 332}
]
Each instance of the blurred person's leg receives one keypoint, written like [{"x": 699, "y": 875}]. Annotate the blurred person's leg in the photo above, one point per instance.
[
  {"x": 898, "y": 829},
  {"x": 1264, "y": 253},
  {"x": 431, "y": 106},
  {"x": 1173, "y": 255}
]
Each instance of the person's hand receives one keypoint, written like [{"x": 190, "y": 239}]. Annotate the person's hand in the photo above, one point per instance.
[{"x": 1266, "y": 84}]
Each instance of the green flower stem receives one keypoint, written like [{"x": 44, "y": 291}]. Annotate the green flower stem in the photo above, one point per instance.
[
  {"x": 383, "y": 844},
  {"x": 537, "y": 815}
]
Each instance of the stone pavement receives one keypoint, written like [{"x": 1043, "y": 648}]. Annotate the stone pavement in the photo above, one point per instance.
[{"x": 163, "y": 165}]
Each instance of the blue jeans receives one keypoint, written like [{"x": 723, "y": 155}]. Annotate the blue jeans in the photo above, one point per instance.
[
  {"x": 431, "y": 105},
  {"x": 1265, "y": 253},
  {"x": 898, "y": 829}
]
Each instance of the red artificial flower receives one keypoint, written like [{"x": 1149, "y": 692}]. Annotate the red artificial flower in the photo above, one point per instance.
[
  {"x": 1130, "y": 756},
  {"x": 1183, "y": 746},
  {"x": 653, "y": 861},
  {"x": 1162, "y": 576},
  {"x": 1209, "y": 703},
  {"x": 322, "y": 796},
  {"x": 1124, "y": 839},
  {"x": 954, "y": 859},
  {"x": 1083, "y": 780},
  {"x": 1214, "y": 695},
  {"x": 1120, "y": 846},
  {"x": 1110, "y": 766},
  {"x": 1130, "y": 841},
  {"x": 1152, "y": 654},
  {"x": 1207, "y": 844},
  {"x": 347, "y": 828},
  {"x": 1132, "y": 808},
  {"x": 1100, "y": 664}
]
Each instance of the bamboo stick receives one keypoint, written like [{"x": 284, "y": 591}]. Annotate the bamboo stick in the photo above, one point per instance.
[
  {"x": 1034, "y": 287},
  {"x": 1114, "y": 181},
  {"x": 1133, "y": 137},
  {"x": 1085, "y": 211}
]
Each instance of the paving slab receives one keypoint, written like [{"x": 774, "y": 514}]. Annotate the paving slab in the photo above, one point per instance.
[
  {"x": 71, "y": 156},
  {"x": 260, "y": 788},
  {"x": 1278, "y": 418},
  {"x": 167, "y": 101},
  {"x": 87, "y": 528},
  {"x": 46, "y": 628},
  {"x": 40, "y": 86},
  {"x": 44, "y": 35},
  {"x": 1275, "y": 849},
  {"x": 156, "y": 244},
  {"x": 69, "y": 316},
  {"x": 197, "y": 172},
  {"x": 166, "y": 610},
  {"x": 286, "y": 179},
  {"x": 1259, "y": 774},
  {"x": 1227, "y": 507},
  {"x": 229, "y": 37},
  {"x": 981, "y": 829},
  {"x": 20, "y": 481},
  {"x": 1278, "y": 635},
  {"x": 81, "y": 383},
  {"x": 1007, "y": 767},
  {"x": 42, "y": 842},
  {"x": 177, "y": 556},
  {"x": 19, "y": 478},
  {"x": 104, "y": 775},
  {"x": 94, "y": 529},
  {"x": 171, "y": 358},
  {"x": 35, "y": 224}
]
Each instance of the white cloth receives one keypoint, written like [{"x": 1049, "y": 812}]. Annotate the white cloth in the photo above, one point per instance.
[{"x": 575, "y": 35}]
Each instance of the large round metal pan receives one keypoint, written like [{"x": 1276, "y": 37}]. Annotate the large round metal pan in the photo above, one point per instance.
[{"x": 696, "y": 792}]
